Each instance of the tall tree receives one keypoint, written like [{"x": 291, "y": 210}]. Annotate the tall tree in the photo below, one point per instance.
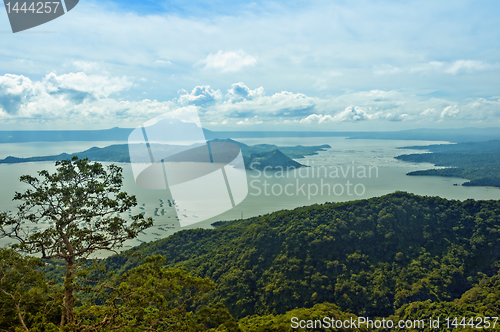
[{"x": 81, "y": 202}]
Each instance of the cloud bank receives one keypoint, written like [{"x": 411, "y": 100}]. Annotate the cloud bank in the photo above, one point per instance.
[{"x": 85, "y": 101}]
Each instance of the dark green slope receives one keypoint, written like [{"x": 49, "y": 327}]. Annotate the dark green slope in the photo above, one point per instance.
[{"x": 369, "y": 257}]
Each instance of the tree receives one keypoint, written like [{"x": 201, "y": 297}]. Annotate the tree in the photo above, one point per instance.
[
  {"x": 81, "y": 202},
  {"x": 24, "y": 299}
]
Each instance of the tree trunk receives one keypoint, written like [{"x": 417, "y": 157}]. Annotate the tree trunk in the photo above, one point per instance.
[
  {"x": 21, "y": 317},
  {"x": 68, "y": 300}
]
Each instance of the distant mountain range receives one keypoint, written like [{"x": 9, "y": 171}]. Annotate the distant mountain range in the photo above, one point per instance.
[{"x": 121, "y": 134}]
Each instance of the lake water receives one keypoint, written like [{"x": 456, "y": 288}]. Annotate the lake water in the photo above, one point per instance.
[{"x": 350, "y": 170}]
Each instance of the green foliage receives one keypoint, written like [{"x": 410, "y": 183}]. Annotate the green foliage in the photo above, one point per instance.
[
  {"x": 81, "y": 201},
  {"x": 25, "y": 300},
  {"x": 369, "y": 257},
  {"x": 150, "y": 297},
  {"x": 483, "y": 300},
  {"x": 282, "y": 322},
  {"x": 400, "y": 256}
]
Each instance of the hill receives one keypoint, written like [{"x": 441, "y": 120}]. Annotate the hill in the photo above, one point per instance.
[
  {"x": 370, "y": 257},
  {"x": 273, "y": 159}
]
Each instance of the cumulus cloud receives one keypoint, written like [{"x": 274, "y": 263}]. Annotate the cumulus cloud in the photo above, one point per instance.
[
  {"x": 450, "y": 111},
  {"x": 85, "y": 99},
  {"x": 317, "y": 118},
  {"x": 71, "y": 97},
  {"x": 14, "y": 90},
  {"x": 228, "y": 61},
  {"x": 240, "y": 92},
  {"x": 200, "y": 96},
  {"x": 349, "y": 114},
  {"x": 352, "y": 113},
  {"x": 281, "y": 104}
]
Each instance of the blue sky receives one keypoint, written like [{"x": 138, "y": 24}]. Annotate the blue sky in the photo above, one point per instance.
[{"x": 294, "y": 65}]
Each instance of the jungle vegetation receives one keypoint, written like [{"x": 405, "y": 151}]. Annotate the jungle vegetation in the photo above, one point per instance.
[{"x": 399, "y": 256}]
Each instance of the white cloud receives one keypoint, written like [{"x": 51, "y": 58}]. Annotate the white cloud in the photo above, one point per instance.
[
  {"x": 97, "y": 85},
  {"x": 255, "y": 120},
  {"x": 428, "y": 111},
  {"x": 317, "y": 118},
  {"x": 396, "y": 117},
  {"x": 352, "y": 113},
  {"x": 201, "y": 95},
  {"x": 73, "y": 97},
  {"x": 460, "y": 66},
  {"x": 283, "y": 104},
  {"x": 14, "y": 91},
  {"x": 163, "y": 63},
  {"x": 240, "y": 92},
  {"x": 349, "y": 114},
  {"x": 80, "y": 99},
  {"x": 228, "y": 61},
  {"x": 454, "y": 68},
  {"x": 450, "y": 111}
]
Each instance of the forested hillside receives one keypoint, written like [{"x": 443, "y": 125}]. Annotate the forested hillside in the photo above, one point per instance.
[
  {"x": 478, "y": 162},
  {"x": 371, "y": 257}
]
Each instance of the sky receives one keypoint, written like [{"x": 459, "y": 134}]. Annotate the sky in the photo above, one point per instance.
[{"x": 290, "y": 65}]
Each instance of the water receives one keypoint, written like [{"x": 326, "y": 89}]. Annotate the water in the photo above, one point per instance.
[{"x": 376, "y": 173}]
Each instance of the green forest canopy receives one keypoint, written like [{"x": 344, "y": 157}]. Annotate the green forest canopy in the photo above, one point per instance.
[
  {"x": 398, "y": 256},
  {"x": 372, "y": 257}
]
